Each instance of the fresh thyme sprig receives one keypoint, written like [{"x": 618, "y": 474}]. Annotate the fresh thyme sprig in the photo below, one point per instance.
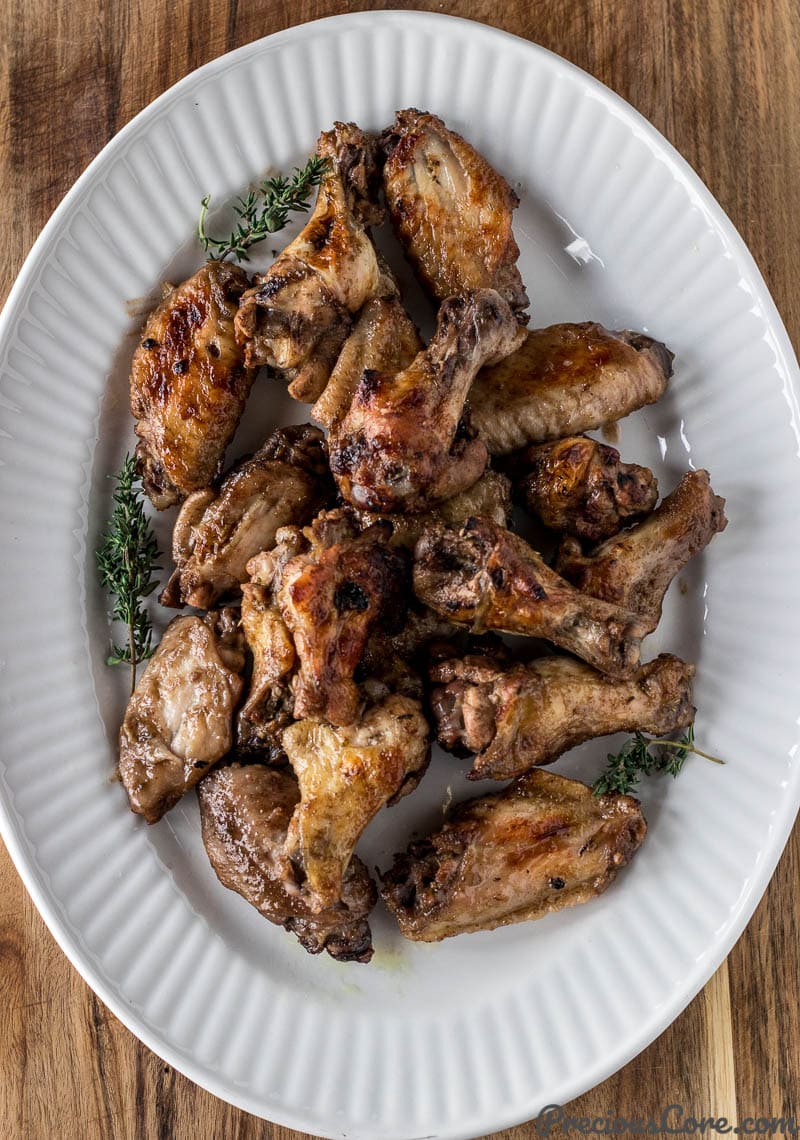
[
  {"x": 126, "y": 563},
  {"x": 263, "y": 211},
  {"x": 641, "y": 756}
]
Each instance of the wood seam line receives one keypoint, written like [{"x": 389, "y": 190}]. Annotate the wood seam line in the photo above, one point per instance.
[{"x": 720, "y": 1062}]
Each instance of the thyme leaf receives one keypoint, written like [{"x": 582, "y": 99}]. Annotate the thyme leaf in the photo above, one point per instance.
[
  {"x": 642, "y": 756},
  {"x": 262, "y": 211},
  {"x": 126, "y": 563}
]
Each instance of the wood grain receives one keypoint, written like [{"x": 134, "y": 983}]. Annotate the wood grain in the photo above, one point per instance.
[{"x": 722, "y": 81}]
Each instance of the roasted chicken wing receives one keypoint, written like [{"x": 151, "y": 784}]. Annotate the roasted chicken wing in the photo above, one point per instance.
[
  {"x": 189, "y": 384},
  {"x": 543, "y": 844},
  {"x": 564, "y": 380},
  {"x": 285, "y": 483},
  {"x": 179, "y": 720},
  {"x": 517, "y": 715},
  {"x": 346, "y": 776},
  {"x": 384, "y": 339},
  {"x": 482, "y": 576},
  {"x": 450, "y": 210},
  {"x": 579, "y": 486},
  {"x": 270, "y": 701},
  {"x": 245, "y": 813},
  {"x": 400, "y": 447},
  {"x": 298, "y": 314},
  {"x": 635, "y": 568},
  {"x": 332, "y": 595}
]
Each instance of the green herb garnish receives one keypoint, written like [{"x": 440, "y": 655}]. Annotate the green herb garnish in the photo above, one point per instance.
[
  {"x": 263, "y": 211},
  {"x": 126, "y": 563},
  {"x": 641, "y": 756}
]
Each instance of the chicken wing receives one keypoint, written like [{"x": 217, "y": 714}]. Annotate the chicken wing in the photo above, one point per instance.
[
  {"x": 634, "y": 568},
  {"x": 179, "y": 720},
  {"x": 399, "y": 448},
  {"x": 543, "y": 844},
  {"x": 450, "y": 210},
  {"x": 483, "y": 576},
  {"x": 579, "y": 486},
  {"x": 331, "y": 596},
  {"x": 517, "y": 715},
  {"x": 489, "y": 498},
  {"x": 216, "y": 533},
  {"x": 245, "y": 814},
  {"x": 384, "y": 339},
  {"x": 564, "y": 380},
  {"x": 298, "y": 314},
  {"x": 189, "y": 384},
  {"x": 346, "y": 776},
  {"x": 269, "y": 706}
]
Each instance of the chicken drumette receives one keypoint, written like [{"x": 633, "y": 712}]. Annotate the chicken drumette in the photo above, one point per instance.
[
  {"x": 634, "y": 568},
  {"x": 189, "y": 384},
  {"x": 399, "y": 448},
  {"x": 179, "y": 721},
  {"x": 543, "y": 844},
  {"x": 450, "y": 210},
  {"x": 515, "y": 716},
  {"x": 482, "y": 576},
  {"x": 579, "y": 486},
  {"x": 564, "y": 380},
  {"x": 298, "y": 314},
  {"x": 245, "y": 814}
]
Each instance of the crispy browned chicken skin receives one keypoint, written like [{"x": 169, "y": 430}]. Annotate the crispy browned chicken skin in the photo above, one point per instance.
[
  {"x": 285, "y": 483},
  {"x": 450, "y": 210},
  {"x": 298, "y": 314},
  {"x": 399, "y": 447},
  {"x": 543, "y": 844},
  {"x": 189, "y": 384},
  {"x": 579, "y": 486},
  {"x": 635, "y": 568},
  {"x": 332, "y": 594},
  {"x": 517, "y": 715},
  {"x": 179, "y": 720},
  {"x": 482, "y": 576},
  {"x": 564, "y": 380},
  {"x": 346, "y": 776},
  {"x": 245, "y": 813}
]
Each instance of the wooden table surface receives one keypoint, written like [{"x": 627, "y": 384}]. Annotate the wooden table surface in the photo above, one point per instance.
[{"x": 722, "y": 81}]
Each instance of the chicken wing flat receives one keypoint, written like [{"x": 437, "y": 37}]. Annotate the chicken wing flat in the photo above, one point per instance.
[
  {"x": 399, "y": 447},
  {"x": 346, "y": 776},
  {"x": 482, "y": 576},
  {"x": 579, "y": 486},
  {"x": 543, "y": 844},
  {"x": 189, "y": 384},
  {"x": 384, "y": 339},
  {"x": 298, "y": 314},
  {"x": 179, "y": 720},
  {"x": 285, "y": 483},
  {"x": 331, "y": 596},
  {"x": 564, "y": 380},
  {"x": 269, "y": 706},
  {"x": 245, "y": 814},
  {"x": 450, "y": 210},
  {"x": 489, "y": 498},
  {"x": 515, "y": 716},
  {"x": 635, "y": 568}
]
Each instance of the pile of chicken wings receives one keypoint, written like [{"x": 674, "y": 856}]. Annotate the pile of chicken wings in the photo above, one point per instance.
[{"x": 352, "y": 578}]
